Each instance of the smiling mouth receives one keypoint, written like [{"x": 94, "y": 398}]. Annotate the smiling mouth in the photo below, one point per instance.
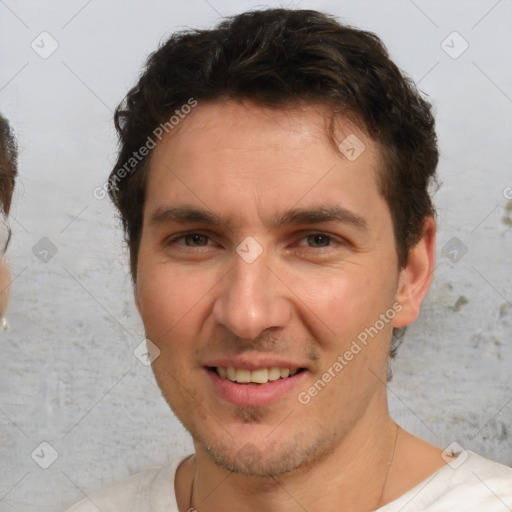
[{"x": 260, "y": 376}]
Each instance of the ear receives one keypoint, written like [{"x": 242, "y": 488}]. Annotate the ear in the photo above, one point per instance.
[{"x": 415, "y": 278}]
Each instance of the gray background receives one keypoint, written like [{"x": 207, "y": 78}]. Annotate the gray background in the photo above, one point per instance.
[{"x": 69, "y": 376}]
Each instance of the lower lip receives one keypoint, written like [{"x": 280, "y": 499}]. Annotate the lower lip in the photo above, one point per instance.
[{"x": 254, "y": 395}]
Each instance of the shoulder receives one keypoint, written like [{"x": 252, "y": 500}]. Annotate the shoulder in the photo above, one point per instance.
[
  {"x": 481, "y": 480},
  {"x": 149, "y": 490},
  {"x": 469, "y": 482}
]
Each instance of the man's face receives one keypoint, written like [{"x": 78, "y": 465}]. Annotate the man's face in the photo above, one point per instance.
[{"x": 319, "y": 268}]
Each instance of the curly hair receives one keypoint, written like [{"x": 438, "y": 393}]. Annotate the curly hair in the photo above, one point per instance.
[{"x": 281, "y": 58}]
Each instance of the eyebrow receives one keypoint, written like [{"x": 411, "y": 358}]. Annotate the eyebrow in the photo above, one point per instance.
[
  {"x": 184, "y": 214},
  {"x": 319, "y": 215},
  {"x": 315, "y": 215}
]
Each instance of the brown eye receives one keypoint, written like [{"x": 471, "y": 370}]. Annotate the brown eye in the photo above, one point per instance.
[
  {"x": 319, "y": 240},
  {"x": 195, "y": 240}
]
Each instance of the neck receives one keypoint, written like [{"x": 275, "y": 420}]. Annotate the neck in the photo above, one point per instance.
[{"x": 352, "y": 477}]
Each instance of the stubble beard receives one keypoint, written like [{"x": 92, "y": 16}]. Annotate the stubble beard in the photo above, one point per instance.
[{"x": 265, "y": 457}]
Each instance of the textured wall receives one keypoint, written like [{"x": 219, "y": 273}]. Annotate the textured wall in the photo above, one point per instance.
[{"x": 69, "y": 376}]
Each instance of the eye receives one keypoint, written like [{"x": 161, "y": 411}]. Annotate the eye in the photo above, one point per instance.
[
  {"x": 318, "y": 240},
  {"x": 195, "y": 240},
  {"x": 320, "y": 243},
  {"x": 192, "y": 246},
  {"x": 190, "y": 240}
]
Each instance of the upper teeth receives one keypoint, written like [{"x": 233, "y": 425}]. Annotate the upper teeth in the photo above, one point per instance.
[{"x": 261, "y": 376}]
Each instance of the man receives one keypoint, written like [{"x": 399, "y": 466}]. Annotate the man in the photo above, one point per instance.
[{"x": 273, "y": 186}]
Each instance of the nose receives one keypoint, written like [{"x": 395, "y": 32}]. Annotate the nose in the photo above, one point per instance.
[{"x": 251, "y": 299}]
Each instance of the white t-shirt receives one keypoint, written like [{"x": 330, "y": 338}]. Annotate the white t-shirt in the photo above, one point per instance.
[{"x": 476, "y": 485}]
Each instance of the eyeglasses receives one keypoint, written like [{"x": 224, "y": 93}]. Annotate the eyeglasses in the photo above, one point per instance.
[{"x": 5, "y": 233}]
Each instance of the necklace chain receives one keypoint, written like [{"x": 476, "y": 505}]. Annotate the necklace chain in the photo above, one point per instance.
[{"x": 390, "y": 463}]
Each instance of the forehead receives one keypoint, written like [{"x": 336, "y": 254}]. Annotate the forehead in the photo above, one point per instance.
[
  {"x": 232, "y": 153},
  {"x": 251, "y": 126}
]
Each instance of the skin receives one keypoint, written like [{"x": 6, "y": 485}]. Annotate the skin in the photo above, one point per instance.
[
  {"x": 4, "y": 285},
  {"x": 313, "y": 289}
]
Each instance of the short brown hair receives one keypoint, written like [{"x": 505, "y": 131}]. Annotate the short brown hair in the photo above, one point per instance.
[
  {"x": 279, "y": 58},
  {"x": 8, "y": 164}
]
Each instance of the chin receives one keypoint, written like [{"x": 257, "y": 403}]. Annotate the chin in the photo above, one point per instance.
[{"x": 265, "y": 458}]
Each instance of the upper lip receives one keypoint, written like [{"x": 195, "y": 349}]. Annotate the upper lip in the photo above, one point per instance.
[{"x": 252, "y": 362}]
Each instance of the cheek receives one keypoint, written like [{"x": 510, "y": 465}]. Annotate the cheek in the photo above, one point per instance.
[
  {"x": 170, "y": 322},
  {"x": 173, "y": 301},
  {"x": 162, "y": 300},
  {"x": 346, "y": 301}
]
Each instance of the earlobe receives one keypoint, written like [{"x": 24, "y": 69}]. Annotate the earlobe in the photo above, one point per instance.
[{"x": 416, "y": 277}]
